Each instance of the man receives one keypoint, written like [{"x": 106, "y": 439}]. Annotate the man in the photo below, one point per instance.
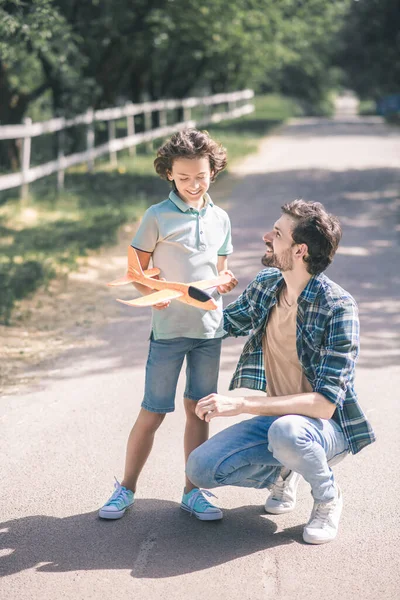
[{"x": 302, "y": 350}]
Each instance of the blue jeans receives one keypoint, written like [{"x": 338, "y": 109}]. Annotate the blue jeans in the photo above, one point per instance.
[
  {"x": 253, "y": 452},
  {"x": 164, "y": 365}
]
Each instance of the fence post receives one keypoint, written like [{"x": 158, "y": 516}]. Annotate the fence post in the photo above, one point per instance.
[
  {"x": 130, "y": 125},
  {"x": 60, "y": 157},
  {"x": 163, "y": 118},
  {"x": 147, "y": 127},
  {"x": 111, "y": 137},
  {"x": 90, "y": 138},
  {"x": 187, "y": 113},
  {"x": 25, "y": 162}
]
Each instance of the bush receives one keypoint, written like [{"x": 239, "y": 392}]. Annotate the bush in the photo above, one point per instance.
[{"x": 18, "y": 281}]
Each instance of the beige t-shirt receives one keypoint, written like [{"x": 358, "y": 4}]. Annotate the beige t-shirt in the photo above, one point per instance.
[{"x": 282, "y": 366}]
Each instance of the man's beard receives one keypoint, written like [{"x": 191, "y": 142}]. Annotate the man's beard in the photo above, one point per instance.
[{"x": 283, "y": 262}]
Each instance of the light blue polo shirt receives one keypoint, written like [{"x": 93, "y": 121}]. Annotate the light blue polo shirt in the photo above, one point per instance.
[{"x": 185, "y": 244}]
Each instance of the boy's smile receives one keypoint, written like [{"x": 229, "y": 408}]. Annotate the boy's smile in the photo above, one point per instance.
[{"x": 192, "y": 178}]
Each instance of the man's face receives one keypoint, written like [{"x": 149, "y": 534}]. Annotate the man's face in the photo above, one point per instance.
[
  {"x": 280, "y": 245},
  {"x": 192, "y": 177}
]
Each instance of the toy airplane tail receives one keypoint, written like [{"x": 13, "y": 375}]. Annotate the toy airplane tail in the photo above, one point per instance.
[{"x": 135, "y": 271}]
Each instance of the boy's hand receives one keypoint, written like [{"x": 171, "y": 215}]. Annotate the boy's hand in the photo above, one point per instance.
[
  {"x": 224, "y": 289},
  {"x": 216, "y": 405},
  {"x": 161, "y": 305},
  {"x": 147, "y": 291}
]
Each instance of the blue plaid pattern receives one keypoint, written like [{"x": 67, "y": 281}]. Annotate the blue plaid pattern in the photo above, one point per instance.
[{"x": 327, "y": 339}]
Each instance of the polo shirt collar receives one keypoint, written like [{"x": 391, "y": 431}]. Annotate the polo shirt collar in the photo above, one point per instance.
[{"x": 183, "y": 206}]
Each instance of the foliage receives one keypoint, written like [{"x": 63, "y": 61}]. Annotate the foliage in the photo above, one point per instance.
[
  {"x": 100, "y": 53},
  {"x": 370, "y": 48}
]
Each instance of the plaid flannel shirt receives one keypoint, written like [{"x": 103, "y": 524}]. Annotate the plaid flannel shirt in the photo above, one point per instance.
[{"x": 327, "y": 339}]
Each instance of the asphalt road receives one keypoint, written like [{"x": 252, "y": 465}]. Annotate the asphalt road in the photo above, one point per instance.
[{"x": 62, "y": 441}]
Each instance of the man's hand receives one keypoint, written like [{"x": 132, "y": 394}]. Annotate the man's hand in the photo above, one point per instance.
[
  {"x": 216, "y": 405},
  {"x": 224, "y": 289}
]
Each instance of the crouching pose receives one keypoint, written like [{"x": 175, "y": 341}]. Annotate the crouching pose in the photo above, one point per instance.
[{"x": 302, "y": 351}]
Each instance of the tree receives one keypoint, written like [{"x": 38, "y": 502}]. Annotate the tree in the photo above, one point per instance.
[
  {"x": 370, "y": 50},
  {"x": 38, "y": 53}
]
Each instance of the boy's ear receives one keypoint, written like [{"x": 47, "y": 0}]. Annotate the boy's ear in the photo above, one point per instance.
[{"x": 169, "y": 175}]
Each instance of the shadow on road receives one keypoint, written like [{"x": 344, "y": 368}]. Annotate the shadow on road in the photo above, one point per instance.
[{"x": 141, "y": 541}]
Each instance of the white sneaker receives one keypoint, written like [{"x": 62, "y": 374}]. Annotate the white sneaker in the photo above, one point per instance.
[
  {"x": 324, "y": 521},
  {"x": 282, "y": 498}
]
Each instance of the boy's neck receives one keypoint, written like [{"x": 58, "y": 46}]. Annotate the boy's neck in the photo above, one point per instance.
[{"x": 198, "y": 204}]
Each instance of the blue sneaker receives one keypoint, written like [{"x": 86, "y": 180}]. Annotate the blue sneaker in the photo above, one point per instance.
[
  {"x": 196, "y": 504},
  {"x": 116, "y": 506}
]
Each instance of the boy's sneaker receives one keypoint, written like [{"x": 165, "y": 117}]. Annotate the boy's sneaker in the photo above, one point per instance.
[
  {"x": 116, "y": 506},
  {"x": 196, "y": 503},
  {"x": 282, "y": 498},
  {"x": 324, "y": 521}
]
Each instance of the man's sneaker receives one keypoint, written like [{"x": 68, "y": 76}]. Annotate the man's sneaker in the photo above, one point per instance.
[
  {"x": 116, "y": 506},
  {"x": 196, "y": 503},
  {"x": 324, "y": 521},
  {"x": 282, "y": 498}
]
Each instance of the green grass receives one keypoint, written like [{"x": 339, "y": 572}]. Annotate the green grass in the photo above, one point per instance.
[
  {"x": 47, "y": 233},
  {"x": 367, "y": 107}
]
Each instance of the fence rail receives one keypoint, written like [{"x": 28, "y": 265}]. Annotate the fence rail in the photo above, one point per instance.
[{"x": 28, "y": 130}]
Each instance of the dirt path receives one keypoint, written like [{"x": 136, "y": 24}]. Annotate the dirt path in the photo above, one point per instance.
[{"x": 63, "y": 436}]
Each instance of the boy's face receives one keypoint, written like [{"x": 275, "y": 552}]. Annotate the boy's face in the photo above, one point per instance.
[{"x": 192, "y": 177}]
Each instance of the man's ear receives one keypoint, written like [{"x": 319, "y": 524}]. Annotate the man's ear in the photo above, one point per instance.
[{"x": 301, "y": 250}]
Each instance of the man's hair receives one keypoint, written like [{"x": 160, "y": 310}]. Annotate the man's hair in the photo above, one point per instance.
[
  {"x": 316, "y": 228},
  {"x": 190, "y": 143}
]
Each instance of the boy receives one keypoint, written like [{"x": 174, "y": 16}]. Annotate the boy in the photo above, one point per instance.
[{"x": 188, "y": 238}]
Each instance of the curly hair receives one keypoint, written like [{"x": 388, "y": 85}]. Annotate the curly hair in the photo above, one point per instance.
[
  {"x": 316, "y": 228},
  {"x": 190, "y": 143}
]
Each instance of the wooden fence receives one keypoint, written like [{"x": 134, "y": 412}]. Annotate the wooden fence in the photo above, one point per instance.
[{"x": 235, "y": 105}]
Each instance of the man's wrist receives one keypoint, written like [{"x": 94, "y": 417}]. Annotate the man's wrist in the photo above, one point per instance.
[{"x": 242, "y": 404}]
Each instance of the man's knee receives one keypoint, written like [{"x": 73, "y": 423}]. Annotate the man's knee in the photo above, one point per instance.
[
  {"x": 287, "y": 434},
  {"x": 198, "y": 468}
]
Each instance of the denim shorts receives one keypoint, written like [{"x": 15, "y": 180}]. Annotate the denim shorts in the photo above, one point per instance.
[{"x": 164, "y": 365}]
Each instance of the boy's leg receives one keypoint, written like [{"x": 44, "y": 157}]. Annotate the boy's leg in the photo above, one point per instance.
[
  {"x": 202, "y": 369},
  {"x": 140, "y": 443},
  {"x": 163, "y": 366},
  {"x": 201, "y": 380},
  {"x": 196, "y": 433}
]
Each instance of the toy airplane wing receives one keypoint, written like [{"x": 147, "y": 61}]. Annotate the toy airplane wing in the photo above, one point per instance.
[
  {"x": 129, "y": 279},
  {"x": 154, "y": 298},
  {"x": 205, "y": 284}
]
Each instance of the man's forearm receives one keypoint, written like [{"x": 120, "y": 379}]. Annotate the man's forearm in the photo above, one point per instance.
[{"x": 311, "y": 404}]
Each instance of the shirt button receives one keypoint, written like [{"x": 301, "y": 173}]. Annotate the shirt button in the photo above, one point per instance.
[{"x": 201, "y": 232}]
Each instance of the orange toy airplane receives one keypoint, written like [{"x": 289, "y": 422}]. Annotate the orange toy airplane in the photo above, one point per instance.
[{"x": 189, "y": 293}]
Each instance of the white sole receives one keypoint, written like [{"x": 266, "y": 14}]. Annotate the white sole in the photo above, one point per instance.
[
  {"x": 279, "y": 511},
  {"x": 311, "y": 540},
  {"x": 117, "y": 514},
  {"x": 203, "y": 516}
]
